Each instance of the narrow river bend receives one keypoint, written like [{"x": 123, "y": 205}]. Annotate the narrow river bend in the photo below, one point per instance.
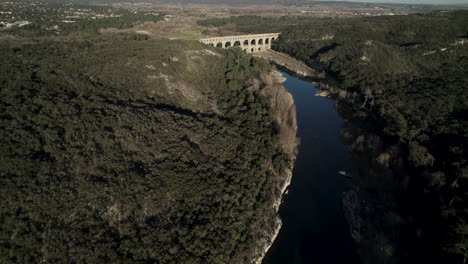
[{"x": 314, "y": 228}]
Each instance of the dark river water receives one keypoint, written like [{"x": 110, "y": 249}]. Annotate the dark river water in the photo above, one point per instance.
[{"x": 314, "y": 228}]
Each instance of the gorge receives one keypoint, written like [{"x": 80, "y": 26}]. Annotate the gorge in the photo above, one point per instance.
[{"x": 125, "y": 139}]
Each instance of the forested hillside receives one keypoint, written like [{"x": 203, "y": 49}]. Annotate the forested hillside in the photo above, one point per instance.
[{"x": 125, "y": 151}]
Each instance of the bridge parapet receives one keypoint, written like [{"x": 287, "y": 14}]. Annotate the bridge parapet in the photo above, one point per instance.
[{"x": 249, "y": 43}]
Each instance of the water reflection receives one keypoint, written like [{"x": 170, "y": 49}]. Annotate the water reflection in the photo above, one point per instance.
[{"x": 314, "y": 228}]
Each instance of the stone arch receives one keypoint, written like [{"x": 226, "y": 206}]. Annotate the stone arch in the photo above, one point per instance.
[
  {"x": 260, "y": 42},
  {"x": 227, "y": 44},
  {"x": 245, "y": 49},
  {"x": 259, "y": 49},
  {"x": 267, "y": 41},
  {"x": 246, "y": 42},
  {"x": 272, "y": 39},
  {"x": 219, "y": 45},
  {"x": 253, "y": 42},
  {"x": 252, "y": 50},
  {"x": 237, "y": 43}
]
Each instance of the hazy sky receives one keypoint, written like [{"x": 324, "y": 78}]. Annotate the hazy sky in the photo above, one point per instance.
[{"x": 414, "y": 1}]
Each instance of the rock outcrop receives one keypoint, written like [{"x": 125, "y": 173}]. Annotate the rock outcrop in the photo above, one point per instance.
[{"x": 284, "y": 111}]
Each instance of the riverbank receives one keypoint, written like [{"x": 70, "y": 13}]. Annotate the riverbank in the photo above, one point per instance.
[
  {"x": 327, "y": 85},
  {"x": 290, "y": 63},
  {"x": 284, "y": 112},
  {"x": 275, "y": 222}
]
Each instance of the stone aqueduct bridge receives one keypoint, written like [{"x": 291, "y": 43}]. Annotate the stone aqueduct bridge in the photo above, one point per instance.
[{"x": 249, "y": 43}]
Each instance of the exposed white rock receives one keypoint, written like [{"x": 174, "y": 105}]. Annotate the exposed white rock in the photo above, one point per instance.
[
  {"x": 143, "y": 32},
  {"x": 327, "y": 37},
  {"x": 322, "y": 93},
  {"x": 276, "y": 230},
  {"x": 209, "y": 52},
  {"x": 429, "y": 53},
  {"x": 288, "y": 177},
  {"x": 164, "y": 76},
  {"x": 459, "y": 42},
  {"x": 278, "y": 76}
]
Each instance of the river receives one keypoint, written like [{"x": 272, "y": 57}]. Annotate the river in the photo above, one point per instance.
[{"x": 314, "y": 228}]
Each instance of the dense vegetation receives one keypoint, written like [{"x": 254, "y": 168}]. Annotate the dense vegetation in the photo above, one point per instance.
[
  {"x": 124, "y": 151},
  {"x": 409, "y": 74}
]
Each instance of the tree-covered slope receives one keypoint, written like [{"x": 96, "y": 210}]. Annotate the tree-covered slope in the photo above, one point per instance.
[{"x": 116, "y": 151}]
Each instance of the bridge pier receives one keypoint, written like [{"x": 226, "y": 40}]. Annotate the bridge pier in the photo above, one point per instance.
[{"x": 248, "y": 43}]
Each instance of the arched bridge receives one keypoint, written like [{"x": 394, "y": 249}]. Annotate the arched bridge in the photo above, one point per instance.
[{"x": 249, "y": 43}]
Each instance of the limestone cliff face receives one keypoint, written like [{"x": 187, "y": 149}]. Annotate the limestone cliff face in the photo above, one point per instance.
[{"x": 284, "y": 111}]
